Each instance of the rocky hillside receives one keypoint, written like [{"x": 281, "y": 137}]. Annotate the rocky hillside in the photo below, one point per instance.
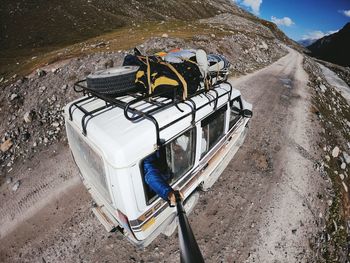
[
  {"x": 334, "y": 48},
  {"x": 40, "y": 23},
  {"x": 31, "y": 29}
]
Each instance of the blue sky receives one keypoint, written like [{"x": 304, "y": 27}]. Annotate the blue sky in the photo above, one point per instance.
[{"x": 302, "y": 19}]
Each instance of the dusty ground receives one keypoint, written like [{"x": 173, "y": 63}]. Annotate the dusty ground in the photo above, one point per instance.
[
  {"x": 264, "y": 208},
  {"x": 286, "y": 133}
]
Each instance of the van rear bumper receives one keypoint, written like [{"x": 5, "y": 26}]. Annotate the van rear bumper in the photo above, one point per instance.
[{"x": 103, "y": 218}]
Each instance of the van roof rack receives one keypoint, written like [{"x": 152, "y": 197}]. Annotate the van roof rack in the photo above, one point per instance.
[{"x": 132, "y": 113}]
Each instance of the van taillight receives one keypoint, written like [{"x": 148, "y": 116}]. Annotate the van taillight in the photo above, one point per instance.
[{"x": 123, "y": 218}]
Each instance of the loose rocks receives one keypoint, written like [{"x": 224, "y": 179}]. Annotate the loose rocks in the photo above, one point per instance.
[
  {"x": 323, "y": 88},
  {"x": 41, "y": 72},
  {"x": 9, "y": 180},
  {"x": 16, "y": 186},
  {"x": 13, "y": 96},
  {"x": 346, "y": 157},
  {"x": 5, "y": 146},
  {"x": 28, "y": 117},
  {"x": 335, "y": 152}
]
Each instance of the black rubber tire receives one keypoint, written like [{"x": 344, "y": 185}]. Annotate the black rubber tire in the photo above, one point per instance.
[{"x": 110, "y": 83}]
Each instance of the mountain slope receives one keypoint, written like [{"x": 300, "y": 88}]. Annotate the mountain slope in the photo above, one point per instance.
[
  {"x": 39, "y": 23},
  {"x": 307, "y": 42},
  {"x": 31, "y": 30},
  {"x": 334, "y": 48}
]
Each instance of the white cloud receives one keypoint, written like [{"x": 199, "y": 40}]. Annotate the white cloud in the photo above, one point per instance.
[
  {"x": 314, "y": 35},
  {"x": 254, "y": 5},
  {"x": 330, "y": 32},
  {"x": 345, "y": 12},
  {"x": 285, "y": 21}
]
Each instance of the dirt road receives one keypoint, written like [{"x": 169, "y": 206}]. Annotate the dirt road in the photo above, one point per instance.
[{"x": 264, "y": 207}]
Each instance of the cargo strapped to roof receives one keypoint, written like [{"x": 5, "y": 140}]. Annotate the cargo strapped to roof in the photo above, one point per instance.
[{"x": 132, "y": 113}]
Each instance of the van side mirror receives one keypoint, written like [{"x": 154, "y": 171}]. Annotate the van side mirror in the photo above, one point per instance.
[{"x": 247, "y": 113}]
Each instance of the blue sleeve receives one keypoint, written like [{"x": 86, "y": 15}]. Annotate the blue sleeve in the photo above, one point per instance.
[{"x": 155, "y": 179}]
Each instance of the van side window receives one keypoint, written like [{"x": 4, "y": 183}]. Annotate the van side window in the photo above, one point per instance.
[
  {"x": 156, "y": 160},
  {"x": 235, "y": 110},
  {"x": 174, "y": 160},
  {"x": 180, "y": 154},
  {"x": 212, "y": 130}
]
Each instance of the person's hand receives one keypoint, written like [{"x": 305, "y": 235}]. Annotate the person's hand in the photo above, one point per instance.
[{"x": 172, "y": 198}]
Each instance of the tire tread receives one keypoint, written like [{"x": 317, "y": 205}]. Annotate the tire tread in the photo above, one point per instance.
[{"x": 117, "y": 85}]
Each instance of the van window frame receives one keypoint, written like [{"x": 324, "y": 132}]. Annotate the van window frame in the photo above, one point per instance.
[
  {"x": 206, "y": 121},
  {"x": 151, "y": 200},
  {"x": 239, "y": 99}
]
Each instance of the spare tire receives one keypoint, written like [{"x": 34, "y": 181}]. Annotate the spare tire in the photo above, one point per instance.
[{"x": 116, "y": 81}]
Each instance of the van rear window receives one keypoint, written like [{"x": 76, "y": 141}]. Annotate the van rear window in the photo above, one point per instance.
[{"x": 89, "y": 162}]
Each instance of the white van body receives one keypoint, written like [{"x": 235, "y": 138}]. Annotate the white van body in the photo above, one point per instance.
[{"x": 110, "y": 155}]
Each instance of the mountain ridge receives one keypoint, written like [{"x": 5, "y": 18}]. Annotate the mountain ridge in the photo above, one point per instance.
[
  {"x": 334, "y": 47},
  {"x": 306, "y": 42}
]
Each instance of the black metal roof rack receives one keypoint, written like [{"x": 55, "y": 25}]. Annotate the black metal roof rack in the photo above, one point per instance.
[{"x": 130, "y": 109}]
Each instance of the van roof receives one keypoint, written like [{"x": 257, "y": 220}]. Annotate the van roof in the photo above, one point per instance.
[{"x": 122, "y": 142}]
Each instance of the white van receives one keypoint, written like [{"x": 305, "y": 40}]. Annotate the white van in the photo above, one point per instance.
[{"x": 110, "y": 138}]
